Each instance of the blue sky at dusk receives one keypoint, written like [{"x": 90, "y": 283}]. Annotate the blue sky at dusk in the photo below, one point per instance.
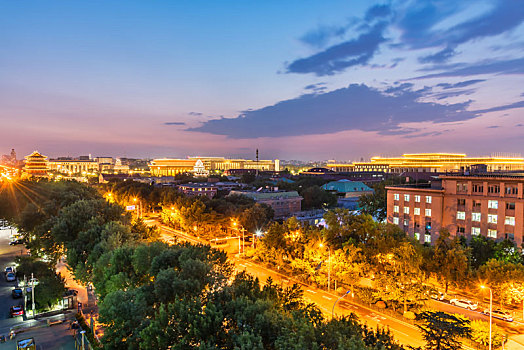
[{"x": 296, "y": 79}]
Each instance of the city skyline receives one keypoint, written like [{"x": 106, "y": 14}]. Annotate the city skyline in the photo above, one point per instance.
[{"x": 297, "y": 80}]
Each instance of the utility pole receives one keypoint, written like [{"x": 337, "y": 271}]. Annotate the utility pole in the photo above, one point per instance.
[{"x": 33, "y": 293}]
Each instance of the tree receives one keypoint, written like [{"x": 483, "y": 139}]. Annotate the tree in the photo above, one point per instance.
[
  {"x": 256, "y": 217},
  {"x": 449, "y": 260},
  {"x": 480, "y": 333},
  {"x": 316, "y": 197},
  {"x": 442, "y": 331}
]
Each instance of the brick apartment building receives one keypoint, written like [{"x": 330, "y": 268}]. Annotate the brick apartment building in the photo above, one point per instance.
[{"x": 469, "y": 205}]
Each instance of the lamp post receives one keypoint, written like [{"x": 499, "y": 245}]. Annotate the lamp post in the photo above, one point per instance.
[
  {"x": 329, "y": 265},
  {"x": 243, "y": 238},
  {"x": 333, "y": 310},
  {"x": 490, "y": 310}
]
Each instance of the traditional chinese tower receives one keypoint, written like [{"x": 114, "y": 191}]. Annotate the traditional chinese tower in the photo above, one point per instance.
[{"x": 36, "y": 164}]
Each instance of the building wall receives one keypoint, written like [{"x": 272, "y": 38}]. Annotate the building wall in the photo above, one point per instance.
[{"x": 466, "y": 206}]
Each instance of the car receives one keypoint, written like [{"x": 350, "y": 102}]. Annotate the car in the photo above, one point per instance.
[
  {"x": 17, "y": 310},
  {"x": 10, "y": 277},
  {"x": 437, "y": 296},
  {"x": 500, "y": 314},
  {"x": 16, "y": 241},
  {"x": 17, "y": 293},
  {"x": 9, "y": 269},
  {"x": 467, "y": 304}
]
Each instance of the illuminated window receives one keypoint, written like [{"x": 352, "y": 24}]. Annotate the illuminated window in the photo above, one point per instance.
[
  {"x": 475, "y": 216},
  {"x": 406, "y": 210},
  {"x": 492, "y": 219},
  {"x": 396, "y": 196},
  {"x": 428, "y": 199},
  {"x": 395, "y": 220},
  {"x": 492, "y": 233},
  {"x": 417, "y": 199},
  {"x": 427, "y": 212},
  {"x": 461, "y": 215},
  {"x": 427, "y": 238},
  {"x": 396, "y": 209},
  {"x": 406, "y": 222},
  {"x": 406, "y": 197},
  {"x": 475, "y": 231},
  {"x": 493, "y": 204},
  {"x": 510, "y": 220},
  {"x": 417, "y": 236},
  {"x": 416, "y": 211}
]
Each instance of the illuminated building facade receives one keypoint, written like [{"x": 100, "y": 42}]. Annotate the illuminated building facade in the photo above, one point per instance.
[
  {"x": 171, "y": 167},
  {"x": 36, "y": 164},
  {"x": 467, "y": 205},
  {"x": 284, "y": 204},
  {"x": 73, "y": 166},
  {"x": 432, "y": 162}
]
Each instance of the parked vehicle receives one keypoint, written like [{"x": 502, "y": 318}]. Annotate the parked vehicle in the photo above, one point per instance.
[
  {"x": 9, "y": 269},
  {"x": 437, "y": 296},
  {"x": 467, "y": 304},
  {"x": 10, "y": 277},
  {"x": 17, "y": 310},
  {"x": 16, "y": 241},
  {"x": 500, "y": 314},
  {"x": 17, "y": 293}
]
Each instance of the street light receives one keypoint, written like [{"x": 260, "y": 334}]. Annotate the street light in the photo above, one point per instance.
[
  {"x": 333, "y": 310},
  {"x": 490, "y": 310},
  {"x": 329, "y": 265}
]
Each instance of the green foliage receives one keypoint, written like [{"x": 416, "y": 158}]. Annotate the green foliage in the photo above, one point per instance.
[
  {"x": 442, "y": 331},
  {"x": 480, "y": 333},
  {"x": 51, "y": 286}
]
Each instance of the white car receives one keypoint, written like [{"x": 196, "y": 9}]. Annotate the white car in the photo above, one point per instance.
[
  {"x": 467, "y": 304},
  {"x": 501, "y": 314},
  {"x": 10, "y": 277}
]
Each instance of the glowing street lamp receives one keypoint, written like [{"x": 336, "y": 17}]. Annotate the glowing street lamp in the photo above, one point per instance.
[{"x": 490, "y": 310}]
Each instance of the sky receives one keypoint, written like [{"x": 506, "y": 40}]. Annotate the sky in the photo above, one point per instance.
[{"x": 296, "y": 79}]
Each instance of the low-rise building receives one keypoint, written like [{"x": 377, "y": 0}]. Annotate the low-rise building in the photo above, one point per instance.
[
  {"x": 284, "y": 203},
  {"x": 36, "y": 164},
  {"x": 491, "y": 205},
  {"x": 348, "y": 192},
  {"x": 198, "y": 189}
]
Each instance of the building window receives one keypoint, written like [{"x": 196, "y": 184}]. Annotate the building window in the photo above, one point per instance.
[
  {"x": 462, "y": 187},
  {"x": 512, "y": 190},
  {"x": 406, "y": 210},
  {"x": 510, "y": 236},
  {"x": 461, "y": 230},
  {"x": 417, "y": 199},
  {"x": 416, "y": 211},
  {"x": 461, "y": 201},
  {"x": 478, "y": 188},
  {"x": 395, "y": 220},
  {"x": 417, "y": 236},
  {"x": 493, "y": 204},
  {"x": 492, "y": 233},
  {"x": 492, "y": 219},
  {"x": 406, "y": 222},
  {"x": 510, "y": 206},
  {"x": 406, "y": 198},
  {"x": 494, "y": 189},
  {"x": 475, "y": 216},
  {"x": 510, "y": 220},
  {"x": 475, "y": 231},
  {"x": 461, "y": 215},
  {"x": 476, "y": 204},
  {"x": 396, "y": 196},
  {"x": 428, "y": 199},
  {"x": 396, "y": 209},
  {"x": 427, "y": 238},
  {"x": 427, "y": 212}
]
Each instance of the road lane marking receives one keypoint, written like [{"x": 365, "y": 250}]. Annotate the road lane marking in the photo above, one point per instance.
[
  {"x": 311, "y": 291},
  {"x": 325, "y": 297}
]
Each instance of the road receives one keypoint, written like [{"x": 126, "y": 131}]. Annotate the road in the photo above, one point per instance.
[
  {"x": 7, "y": 256},
  {"x": 404, "y": 332}
]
